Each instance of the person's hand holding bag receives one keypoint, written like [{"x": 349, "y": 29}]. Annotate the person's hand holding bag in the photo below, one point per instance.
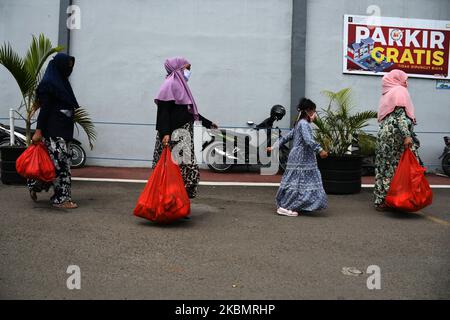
[{"x": 408, "y": 142}]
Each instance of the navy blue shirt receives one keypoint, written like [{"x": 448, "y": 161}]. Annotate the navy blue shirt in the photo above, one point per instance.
[{"x": 55, "y": 119}]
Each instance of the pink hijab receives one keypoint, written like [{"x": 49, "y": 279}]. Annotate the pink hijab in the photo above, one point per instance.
[
  {"x": 175, "y": 87},
  {"x": 395, "y": 94}
]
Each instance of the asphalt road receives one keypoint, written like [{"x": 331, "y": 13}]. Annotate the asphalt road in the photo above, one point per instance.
[{"x": 234, "y": 247}]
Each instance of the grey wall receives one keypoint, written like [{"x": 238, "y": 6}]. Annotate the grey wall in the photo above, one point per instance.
[
  {"x": 324, "y": 43},
  {"x": 19, "y": 20},
  {"x": 240, "y": 54}
]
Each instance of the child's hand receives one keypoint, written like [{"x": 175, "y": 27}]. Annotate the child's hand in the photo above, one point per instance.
[
  {"x": 323, "y": 154},
  {"x": 269, "y": 149}
]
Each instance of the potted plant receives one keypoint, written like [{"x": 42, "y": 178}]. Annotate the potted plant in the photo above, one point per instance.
[
  {"x": 337, "y": 131},
  {"x": 27, "y": 72},
  {"x": 366, "y": 148}
]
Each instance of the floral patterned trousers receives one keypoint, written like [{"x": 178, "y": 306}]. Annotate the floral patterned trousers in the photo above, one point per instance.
[
  {"x": 60, "y": 153},
  {"x": 183, "y": 147}
]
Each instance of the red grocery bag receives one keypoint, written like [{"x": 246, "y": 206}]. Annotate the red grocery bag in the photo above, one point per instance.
[
  {"x": 409, "y": 190},
  {"x": 35, "y": 163},
  {"x": 164, "y": 198}
]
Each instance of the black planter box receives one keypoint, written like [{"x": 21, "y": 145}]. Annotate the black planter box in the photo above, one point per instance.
[
  {"x": 8, "y": 157},
  {"x": 341, "y": 174}
]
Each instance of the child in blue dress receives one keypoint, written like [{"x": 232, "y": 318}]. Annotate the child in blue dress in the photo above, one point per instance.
[{"x": 301, "y": 187}]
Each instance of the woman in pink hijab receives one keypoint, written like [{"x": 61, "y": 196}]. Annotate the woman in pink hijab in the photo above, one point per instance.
[
  {"x": 396, "y": 132},
  {"x": 175, "y": 118}
]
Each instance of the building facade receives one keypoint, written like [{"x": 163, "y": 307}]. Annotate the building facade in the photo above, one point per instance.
[{"x": 246, "y": 56}]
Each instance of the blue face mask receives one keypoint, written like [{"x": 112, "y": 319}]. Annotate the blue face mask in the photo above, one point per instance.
[{"x": 187, "y": 74}]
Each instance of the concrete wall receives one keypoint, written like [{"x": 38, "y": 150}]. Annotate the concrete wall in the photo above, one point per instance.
[
  {"x": 324, "y": 42},
  {"x": 239, "y": 50},
  {"x": 19, "y": 20},
  {"x": 241, "y": 56}
]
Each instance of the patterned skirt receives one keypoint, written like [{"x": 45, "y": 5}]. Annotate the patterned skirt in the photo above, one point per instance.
[
  {"x": 182, "y": 146},
  {"x": 60, "y": 153},
  {"x": 301, "y": 187}
]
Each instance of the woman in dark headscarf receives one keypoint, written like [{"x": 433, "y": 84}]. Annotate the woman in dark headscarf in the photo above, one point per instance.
[
  {"x": 176, "y": 114},
  {"x": 55, "y": 125}
]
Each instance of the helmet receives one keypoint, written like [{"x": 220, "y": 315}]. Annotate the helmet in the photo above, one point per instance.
[{"x": 277, "y": 112}]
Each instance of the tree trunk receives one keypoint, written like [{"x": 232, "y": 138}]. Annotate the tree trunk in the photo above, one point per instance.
[{"x": 28, "y": 131}]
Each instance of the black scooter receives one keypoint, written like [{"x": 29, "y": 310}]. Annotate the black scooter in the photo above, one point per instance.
[
  {"x": 78, "y": 153},
  {"x": 446, "y": 157}
]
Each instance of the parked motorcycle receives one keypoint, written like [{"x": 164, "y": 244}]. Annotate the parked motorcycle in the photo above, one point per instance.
[
  {"x": 446, "y": 157},
  {"x": 78, "y": 153},
  {"x": 256, "y": 139}
]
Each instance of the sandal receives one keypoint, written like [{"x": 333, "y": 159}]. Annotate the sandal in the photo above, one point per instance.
[
  {"x": 65, "y": 205},
  {"x": 33, "y": 195},
  {"x": 382, "y": 207}
]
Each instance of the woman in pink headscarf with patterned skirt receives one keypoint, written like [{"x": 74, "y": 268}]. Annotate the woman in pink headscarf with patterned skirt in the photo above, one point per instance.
[
  {"x": 176, "y": 114},
  {"x": 396, "y": 132}
]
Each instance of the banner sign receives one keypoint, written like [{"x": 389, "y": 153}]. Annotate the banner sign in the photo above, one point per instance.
[
  {"x": 443, "y": 84},
  {"x": 377, "y": 45}
]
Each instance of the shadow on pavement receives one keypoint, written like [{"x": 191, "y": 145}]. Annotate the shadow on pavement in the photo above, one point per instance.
[
  {"x": 402, "y": 215},
  {"x": 174, "y": 225}
]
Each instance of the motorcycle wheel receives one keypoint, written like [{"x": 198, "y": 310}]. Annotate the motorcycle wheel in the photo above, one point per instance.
[
  {"x": 78, "y": 156},
  {"x": 212, "y": 159},
  {"x": 4, "y": 142},
  {"x": 446, "y": 164}
]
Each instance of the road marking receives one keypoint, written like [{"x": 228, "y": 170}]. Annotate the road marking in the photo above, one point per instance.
[
  {"x": 224, "y": 183},
  {"x": 433, "y": 218}
]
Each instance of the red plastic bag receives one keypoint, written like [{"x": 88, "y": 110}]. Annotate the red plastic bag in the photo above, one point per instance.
[
  {"x": 164, "y": 198},
  {"x": 35, "y": 163},
  {"x": 409, "y": 190}
]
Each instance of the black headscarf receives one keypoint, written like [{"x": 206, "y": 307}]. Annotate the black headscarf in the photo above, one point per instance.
[{"x": 56, "y": 82}]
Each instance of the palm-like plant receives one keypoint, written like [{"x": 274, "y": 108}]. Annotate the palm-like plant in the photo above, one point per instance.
[
  {"x": 83, "y": 119},
  {"x": 27, "y": 72},
  {"x": 337, "y": 128}
]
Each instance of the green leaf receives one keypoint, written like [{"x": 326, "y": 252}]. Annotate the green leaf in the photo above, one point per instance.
[
  {"x": 40, "y": 50},
  {"x": 337, "y": 127},
  {"x": 367, "y": 144},
  {"x": 83, "y": 119},
  {"x": 27, "y": 71},
  {"x": 16, "y": 66}
]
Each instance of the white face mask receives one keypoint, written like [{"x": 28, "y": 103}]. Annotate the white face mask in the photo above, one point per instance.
[{"x": 187, "y": 74}]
